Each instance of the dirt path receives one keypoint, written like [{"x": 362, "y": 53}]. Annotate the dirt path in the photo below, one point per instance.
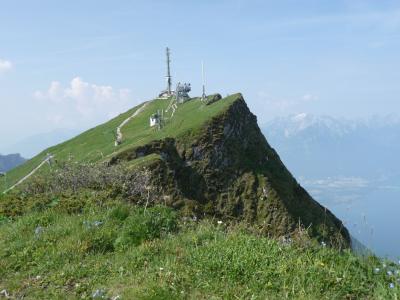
[
  {"x": 47, "y": 159},
  {"x": 118, "y": 140}
]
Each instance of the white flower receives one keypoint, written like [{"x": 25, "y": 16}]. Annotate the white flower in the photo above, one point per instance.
[{"x": 219, "y": 222}]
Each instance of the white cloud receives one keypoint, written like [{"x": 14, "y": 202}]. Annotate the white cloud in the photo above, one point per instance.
[
  {"x": 83, "y": 101},
  {"x": 309, "y": 97},
  {"x": 54, "y": 93},
  {"x": 5, "y": 66}
]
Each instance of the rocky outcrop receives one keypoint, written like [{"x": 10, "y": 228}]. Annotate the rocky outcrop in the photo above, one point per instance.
[{"x": 230, "y": 171}]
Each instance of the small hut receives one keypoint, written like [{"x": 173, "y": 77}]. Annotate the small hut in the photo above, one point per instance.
[{"x": 155, "y": 120}]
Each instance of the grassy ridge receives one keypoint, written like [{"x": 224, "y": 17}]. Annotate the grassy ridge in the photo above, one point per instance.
[
  {"x": 98, "y": 142},
  {"x": 76, "y": 244},
  {"x": 123, "y": 250}
]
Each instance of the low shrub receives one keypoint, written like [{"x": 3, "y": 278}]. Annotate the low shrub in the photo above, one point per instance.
[{"x": 146, "y": 225}]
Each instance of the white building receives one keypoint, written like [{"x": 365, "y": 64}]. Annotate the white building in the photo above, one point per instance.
[{"x": 154, "y": 120}]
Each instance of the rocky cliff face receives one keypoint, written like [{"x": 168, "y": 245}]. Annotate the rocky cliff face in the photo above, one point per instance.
[{"x": 229, "y": 170}]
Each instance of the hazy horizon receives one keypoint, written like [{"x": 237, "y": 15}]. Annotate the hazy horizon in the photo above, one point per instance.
[{"x": 74, "y": 65}]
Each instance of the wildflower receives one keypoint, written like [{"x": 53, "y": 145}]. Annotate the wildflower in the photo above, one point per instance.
[
  {"x": 5, "y": 293},
  {"x": 97, "y": 223},
  {"x": 98, "y": 294},
  {"x": 219, "y": 222},
  {"x": 391, "y": 285},
  {"x": 286, "y": 241},
  {"x": 377, "y": 270},
  {"x": 384, "y": 265},
  {"x": 89, "y": 224},
  {"x": 38, "y": 230},
  {"x": 161, "y": 269},
  {"x": 323, "y": 244}
]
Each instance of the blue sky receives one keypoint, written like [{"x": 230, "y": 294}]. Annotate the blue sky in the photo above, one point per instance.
[{"x": 74, "y": 64}]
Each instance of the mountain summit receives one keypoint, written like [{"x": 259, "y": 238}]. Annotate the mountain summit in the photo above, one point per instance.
[{"x": 206, "y": 158}]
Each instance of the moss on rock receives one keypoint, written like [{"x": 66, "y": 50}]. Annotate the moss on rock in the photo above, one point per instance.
[{"x": 229, "y": 170}]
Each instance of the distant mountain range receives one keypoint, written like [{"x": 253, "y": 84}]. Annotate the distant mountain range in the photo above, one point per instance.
[
  {"x": 7, "y": 162},
  {"x": 317, "y": 147},
  {"x": 33, "y": 145}
]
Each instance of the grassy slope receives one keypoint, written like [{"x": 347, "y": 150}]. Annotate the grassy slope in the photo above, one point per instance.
[
  {"x": 98, "y": 142},
  {"x": 145, "y": 256},
  {"x": 153, "y": 255}
]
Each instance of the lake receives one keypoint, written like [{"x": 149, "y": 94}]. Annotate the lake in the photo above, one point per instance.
[{"x": 370, "y": 211}]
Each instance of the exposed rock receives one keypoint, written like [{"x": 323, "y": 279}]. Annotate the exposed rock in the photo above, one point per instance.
[
  {"x": 213, "y": 98},
  {"x": 230, "y": 171}
]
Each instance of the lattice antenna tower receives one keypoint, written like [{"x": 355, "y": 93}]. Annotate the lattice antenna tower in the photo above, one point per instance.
[
  {"x": 203, "y": 95},
  {"x": 168, "y": 77}
]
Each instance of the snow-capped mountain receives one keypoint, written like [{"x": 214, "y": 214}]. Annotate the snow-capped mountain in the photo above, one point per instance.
[
  {"x": 322, "y": 146},
  {"x": 295, "y": 124}
]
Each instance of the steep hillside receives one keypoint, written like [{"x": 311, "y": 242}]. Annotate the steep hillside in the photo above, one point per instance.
[
  {"x": 208, "y": 160},
  {"x": 97, "y": 144}
]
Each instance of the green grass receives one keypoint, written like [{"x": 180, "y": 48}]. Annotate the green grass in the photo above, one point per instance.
[
  {"x": 97, "y": 143},
  {"x": 69, "y": 245},
  {"x": 152, "y": 254}
]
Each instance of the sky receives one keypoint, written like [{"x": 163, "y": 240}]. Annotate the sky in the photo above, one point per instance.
[{"x": 75, "y": 64}]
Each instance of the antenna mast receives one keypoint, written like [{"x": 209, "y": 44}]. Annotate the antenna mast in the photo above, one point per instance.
[
  {"x": 203, "y": 96},
  {"x": 168, "y": 73}
]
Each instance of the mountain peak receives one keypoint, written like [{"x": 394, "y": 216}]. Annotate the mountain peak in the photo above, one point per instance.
[
  {"x": 299, "y": 117},
  {"x": 206, "y": 158}
]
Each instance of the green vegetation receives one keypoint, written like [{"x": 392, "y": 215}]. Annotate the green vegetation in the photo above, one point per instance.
[
  {"x": 118, "y": 249},
  {"x": 97, "y": 143},
  {"x": 91, "y": 225}
]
